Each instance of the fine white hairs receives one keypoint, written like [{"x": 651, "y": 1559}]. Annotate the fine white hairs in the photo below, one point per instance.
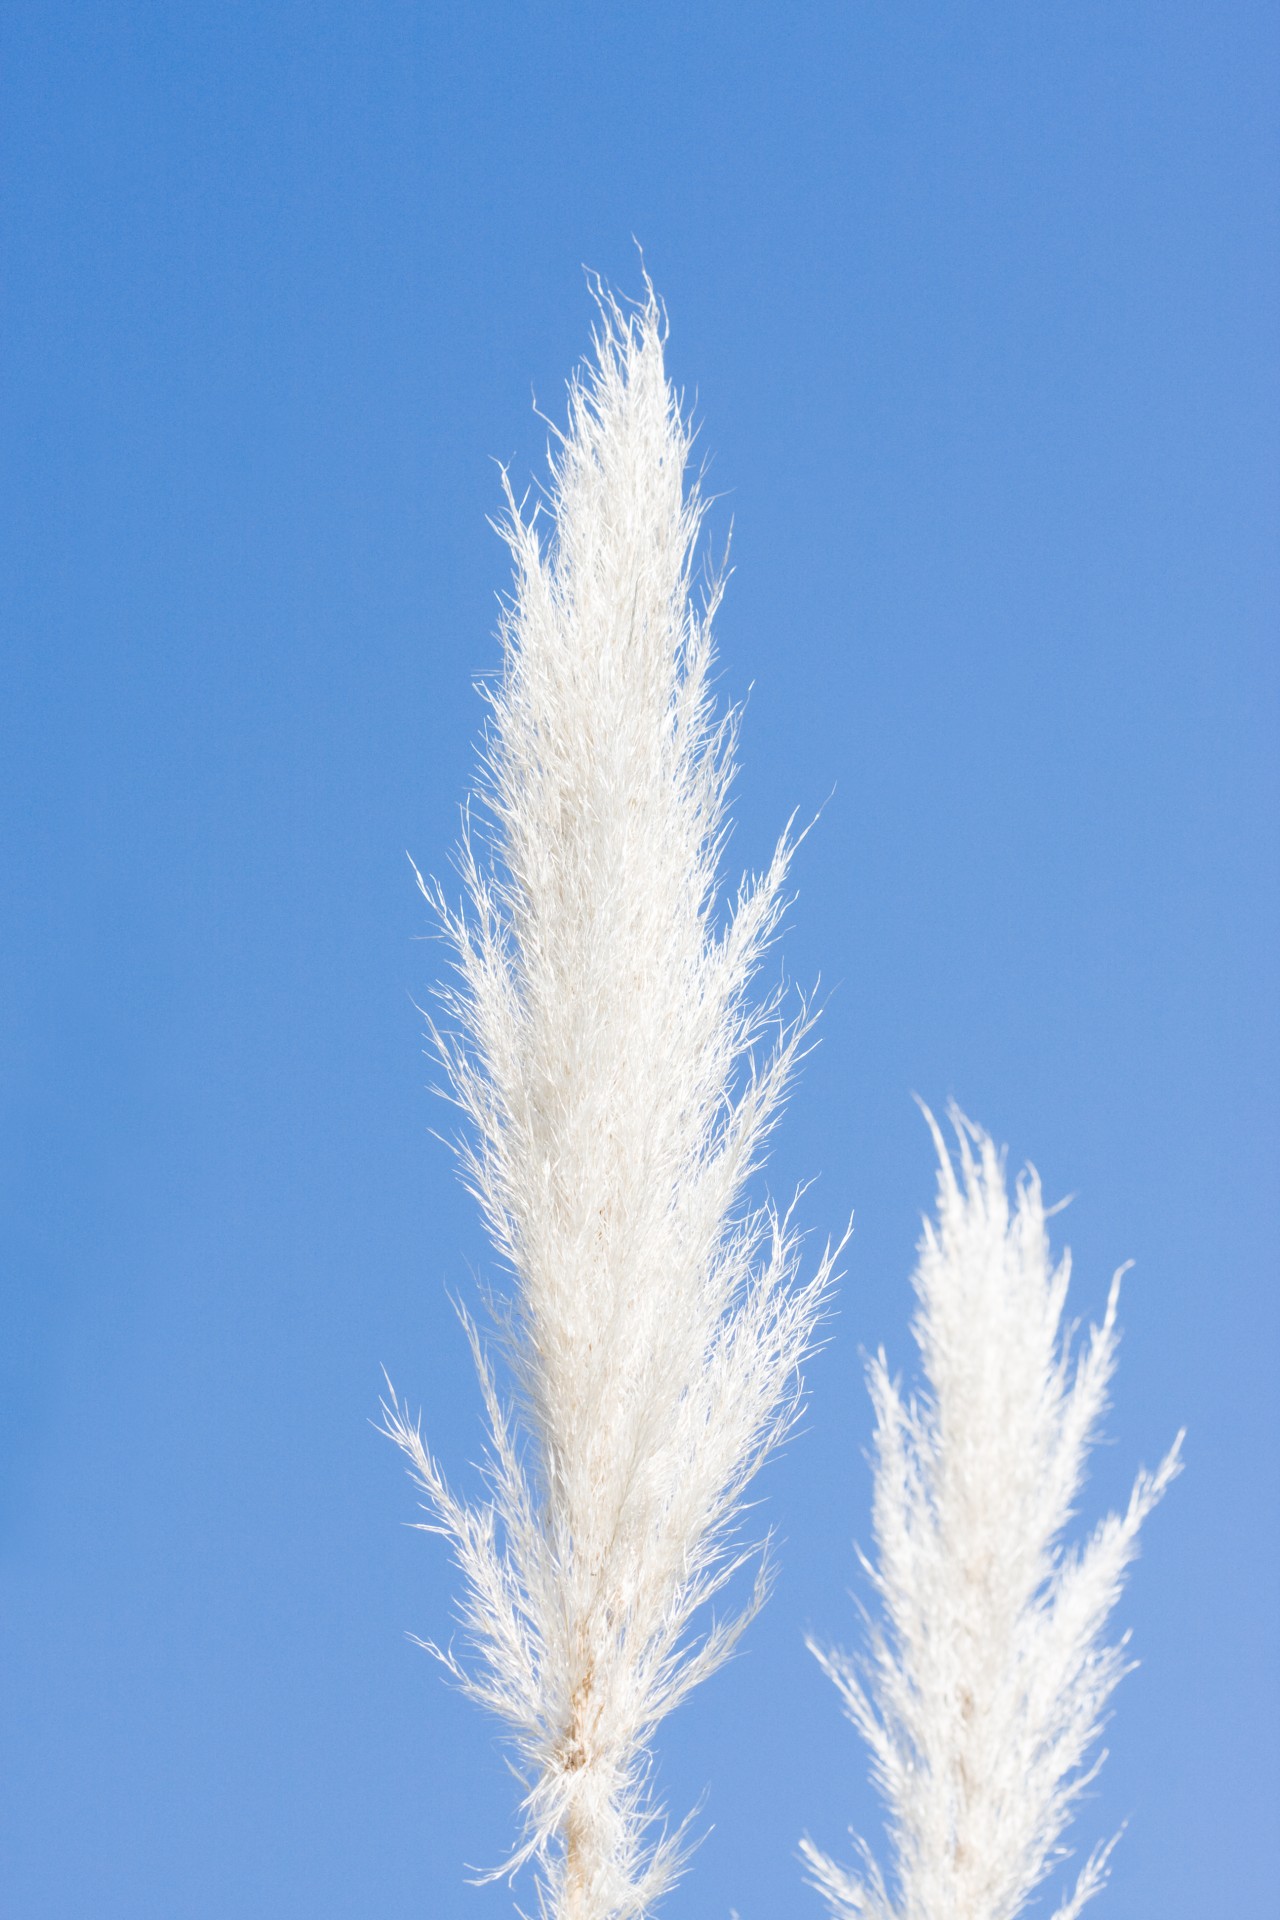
[
  {"x": 619, "y": 1071},
  {"x": 985, "y": 1686}
]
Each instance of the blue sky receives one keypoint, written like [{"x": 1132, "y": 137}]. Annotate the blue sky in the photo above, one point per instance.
[{"x": 977, "y": 306}]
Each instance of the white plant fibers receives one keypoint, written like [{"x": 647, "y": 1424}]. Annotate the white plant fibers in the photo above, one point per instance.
[
  {"x": 619, "y": 1074},
  {"x": 986, "y": 1683}
]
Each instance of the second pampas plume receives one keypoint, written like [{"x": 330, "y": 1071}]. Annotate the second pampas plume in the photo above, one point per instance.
[
  {"x": 988, "y": 1677},
  {"x": 619, "y": 1072}
]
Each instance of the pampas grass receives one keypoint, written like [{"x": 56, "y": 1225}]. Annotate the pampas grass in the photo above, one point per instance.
[
  {"x": 987, "y": 1679},
  {"x": 619, "y": 1072}
]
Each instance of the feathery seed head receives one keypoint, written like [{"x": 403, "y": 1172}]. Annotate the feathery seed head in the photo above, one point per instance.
[
  {"x": 607, "y": 1044},
  {"x": 986, "y": 1685}
]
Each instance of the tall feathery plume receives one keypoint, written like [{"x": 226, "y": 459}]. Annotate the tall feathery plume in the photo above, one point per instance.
[
  {"x": 619, "y": 1074},
  {"x": 985, "y": 1686}
]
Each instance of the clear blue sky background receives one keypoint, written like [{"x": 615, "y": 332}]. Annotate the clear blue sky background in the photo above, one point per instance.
[{"x": 978, "y": 303}]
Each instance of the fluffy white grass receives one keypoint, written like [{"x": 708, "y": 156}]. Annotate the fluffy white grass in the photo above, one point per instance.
[
  {"x": 987, "y": 1682},
  {"x": 619, "y": 1073}
]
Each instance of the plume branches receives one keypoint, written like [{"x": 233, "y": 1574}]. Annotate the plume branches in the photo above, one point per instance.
[
  {"x": 619, "y": 1073},
  {"x": 986, "y": 1682}
]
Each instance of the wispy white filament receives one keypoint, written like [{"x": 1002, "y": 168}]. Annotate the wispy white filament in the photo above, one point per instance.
[
  {"x": 985, "y": 1686},
  {"x": 619, "y": 1075}
]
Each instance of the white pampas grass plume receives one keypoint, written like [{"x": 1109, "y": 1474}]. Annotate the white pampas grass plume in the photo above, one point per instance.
[
  {"x": 986, "y": 1683},
  {"x": 620, "y": 1075}
]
